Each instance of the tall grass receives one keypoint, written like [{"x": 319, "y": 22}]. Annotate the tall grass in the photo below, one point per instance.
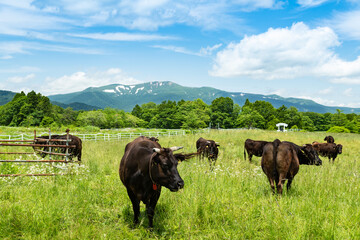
[{"x": 234, "y": 201}]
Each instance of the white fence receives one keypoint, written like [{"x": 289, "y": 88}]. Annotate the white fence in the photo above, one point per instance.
[{"x": 109, "y": 136}]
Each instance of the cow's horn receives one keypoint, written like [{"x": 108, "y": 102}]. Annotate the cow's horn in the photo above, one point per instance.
[
  {"x": 156, "y": 150},
  {"x": 175, "y": 148}
]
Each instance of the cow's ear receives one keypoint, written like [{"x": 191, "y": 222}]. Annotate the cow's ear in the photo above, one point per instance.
[{"x": 180, "y": 157}]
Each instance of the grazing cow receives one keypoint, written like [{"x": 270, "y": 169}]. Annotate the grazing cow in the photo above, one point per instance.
[
  {"x": 73, "y": 140},
  {"x": 155, "y": 139},
  {"x": 145, "y": 168},
  {"x": 253, "y": 148},
  {"x": 329, "y": 139},
  {"x": 280, "y": 161},
  {"x": 209, "y": 149},
  {"x": 307, "y": 155},
  {"x": 330, "y": 150}
]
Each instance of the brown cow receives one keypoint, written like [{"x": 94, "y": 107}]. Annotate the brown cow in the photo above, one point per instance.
[
  {"x": 209, "y": 149},
  {"x": 155, "y": 139},
  {"x": 329, "y": 139},
  {"x": 280, "y": 161},
  {"x": 73, "y": 140},
  {"x": 145, "y": 168},
  {"x": 307, "y": 155},
  {"x": 253, "y": 148},
  {"x": 330, "y": 150}
]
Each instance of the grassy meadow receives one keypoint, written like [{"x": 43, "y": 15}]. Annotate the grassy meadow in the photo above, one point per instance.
[{"x": 234, "y": 201}]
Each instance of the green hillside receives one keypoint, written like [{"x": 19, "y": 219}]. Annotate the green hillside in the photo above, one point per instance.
[
  {"x": 127, "y": 96},
  {"x": 6, "y": 96}
]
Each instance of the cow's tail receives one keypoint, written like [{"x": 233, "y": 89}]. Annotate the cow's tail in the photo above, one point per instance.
[
  {"x": 244, "y": 154},
  {"x": 276, "y": 143}
]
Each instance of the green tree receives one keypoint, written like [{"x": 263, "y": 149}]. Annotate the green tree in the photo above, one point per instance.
[
  {"x": 339, "y": 118},
  {"x": 250, "y": 119},
  {"x": 265, "y": 109},
  {"x": 222, "y": 112}
]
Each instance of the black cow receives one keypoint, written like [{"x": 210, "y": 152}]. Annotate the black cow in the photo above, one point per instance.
[
  {"x": 209, "y": 149},
  {"x": 253, "y": 148},
  {"x": 281, "y": 160},
  {"x": 330, "y": 150},
  {"x": 73, "y": 140},
  {"x": 329, "y": 139},
  {"x": 306, "y": 154},
  {"x": 155, "y": 139},
  {"x": 145, "y": 168}
]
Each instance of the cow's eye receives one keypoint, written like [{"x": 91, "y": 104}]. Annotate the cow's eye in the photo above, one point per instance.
[{"x": 165, "y": 167}]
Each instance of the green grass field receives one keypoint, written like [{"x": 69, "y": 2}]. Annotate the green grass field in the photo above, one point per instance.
[{"x": 234, "y": 201}]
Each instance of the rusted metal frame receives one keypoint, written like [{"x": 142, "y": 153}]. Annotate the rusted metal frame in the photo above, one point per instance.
[
  {"x": 49, "y": 144},
  {"x": 31, "y": 161},
  {"x": 47, "y": 140},
  {"x": 16, "y": 152},
  {"x": 31, "y": 175},
  {"x": 67, "y": 144},
  {"x": 37, "y": 145},
  {"x": 16, "y": 141},
  {"x": 51, "y": 153}
]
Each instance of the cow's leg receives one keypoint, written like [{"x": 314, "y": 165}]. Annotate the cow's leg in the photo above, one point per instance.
[
  {"x": 135, "y": 204},
  {"x": 288, "y": 185},
  {"x": 79, "y": 156},
  {"x": 150, "y": 207},
  {"x": 280, "y": 183},
  {"x": 250, "y": 157},
  {"x": 272, "y": 185}
]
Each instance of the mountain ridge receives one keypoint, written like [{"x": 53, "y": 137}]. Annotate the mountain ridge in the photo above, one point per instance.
[{"x": 125, "y": 97}]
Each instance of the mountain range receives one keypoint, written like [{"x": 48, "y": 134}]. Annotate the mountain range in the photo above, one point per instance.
[{"x": 127, "y": 96}]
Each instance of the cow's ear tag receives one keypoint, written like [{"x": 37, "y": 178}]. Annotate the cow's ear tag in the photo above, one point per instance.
[{"x": 155, "y": 187}]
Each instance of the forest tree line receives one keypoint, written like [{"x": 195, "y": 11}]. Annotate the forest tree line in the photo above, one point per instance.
[{"x": 33, "y": 109}]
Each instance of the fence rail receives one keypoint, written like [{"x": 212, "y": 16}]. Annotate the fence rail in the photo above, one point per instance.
[{"x": 108, "y": 136}]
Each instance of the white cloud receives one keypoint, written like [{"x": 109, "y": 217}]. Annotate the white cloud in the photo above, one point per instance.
[
  {"x": 18, "y": 79},
  {"x": 25, "y": 4},
  {"x": 326, "y": 91},
  {"x": 24, "y": 69},
  {"x": 210, "y": 49},
  {"x": 347, "y": 24},
  {"x": 203, "y": 51},
  {"x": 176, "y": 49},
  {"x": 123, "y": 36},
  {"x": 311, "y": 3},
  {"x": 152, "y": 14},
  {"x": 287, "y": 53},
  {"x": 78, "y": 81},
  {"x": 7, "y": 49},
  {"x": 19, "y": 22}
]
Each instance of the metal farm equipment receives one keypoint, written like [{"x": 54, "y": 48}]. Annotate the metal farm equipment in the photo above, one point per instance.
[{"x": 44, "y": 146}]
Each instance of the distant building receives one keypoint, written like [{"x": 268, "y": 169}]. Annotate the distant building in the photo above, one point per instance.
[{"x": 281, "y": 127}]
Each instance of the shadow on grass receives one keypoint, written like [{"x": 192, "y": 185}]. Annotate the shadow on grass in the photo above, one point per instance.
[{"x": 160, "y": 219}]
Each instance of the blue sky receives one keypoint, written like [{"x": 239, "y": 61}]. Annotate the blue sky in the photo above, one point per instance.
[{"x": 301, "y": 48}]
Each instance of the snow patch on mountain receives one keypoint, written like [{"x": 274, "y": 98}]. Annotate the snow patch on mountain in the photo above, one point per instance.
[{"x": 109, "y": 91}]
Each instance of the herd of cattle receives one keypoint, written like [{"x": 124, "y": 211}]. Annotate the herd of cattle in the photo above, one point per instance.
[{"x": 145, "y": 166}]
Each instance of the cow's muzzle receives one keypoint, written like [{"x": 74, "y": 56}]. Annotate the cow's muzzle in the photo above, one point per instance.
[{"x": 179, "y": 185}]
